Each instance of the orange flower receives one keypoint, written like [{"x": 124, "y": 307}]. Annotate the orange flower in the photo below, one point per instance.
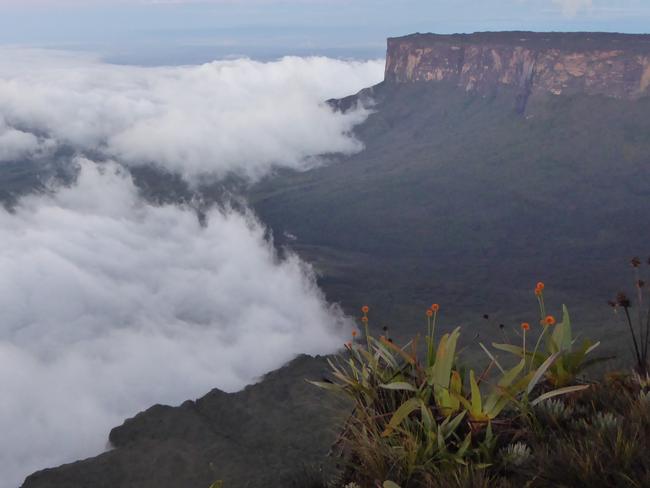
[
  {"x": 549, "y": 320},
  {"x": 540, "y": 285},
  {"x": 364, "y": 320},
  {"x": 538, "y": 292},
  {"x": 354, "y": 333},
  {"x": 429, "y": 313},
  {"x": 435, "y": 307},
  {"x": 365, "y": 309},
  {"x": 525, "y": 326}
]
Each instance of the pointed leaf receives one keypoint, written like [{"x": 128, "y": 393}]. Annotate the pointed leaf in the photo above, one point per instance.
[
  {"x": 592, "y": 348},
  {"x": 516, "y": 350},
  {"x": 562, "y": 336},
  {"x": 390, "y": 484},
  {"x": 325, "y": 386},
  {"x": 489, "y": 354},
  {"x": 399, "y": 385},
  {"x": 477, "y": 401},
  {"x": 410, "y": 359},
  {"x": 497, "y": 396},
  {"x": 558, "y": 392},
  {"x": 541, "y": 371},
  {"x": 400, "y": 414},
  {"x": 440, "y": 373}
]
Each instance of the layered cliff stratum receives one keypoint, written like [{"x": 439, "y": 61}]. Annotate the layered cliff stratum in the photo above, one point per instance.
[{"x": 614, "y": 65}]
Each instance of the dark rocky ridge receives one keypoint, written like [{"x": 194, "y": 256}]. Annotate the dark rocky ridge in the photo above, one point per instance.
[{"x": 265, "y": 435}]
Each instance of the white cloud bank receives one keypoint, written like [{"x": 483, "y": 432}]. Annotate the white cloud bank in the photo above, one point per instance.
[
  {"x": 237, "y": 116},
  {"x": 109, "y": 305}
]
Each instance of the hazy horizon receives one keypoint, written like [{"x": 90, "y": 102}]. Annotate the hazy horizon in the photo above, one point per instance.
[{"x": 193, "y": 32}]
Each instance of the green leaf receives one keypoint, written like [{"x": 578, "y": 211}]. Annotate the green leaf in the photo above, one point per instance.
[
  {"x": 477, "y": 403},
  {"x": 465, "y": 445},
  {"x": 455, "y": 387},
  {"x": 407, "y": 357},
  {"x": 325, "y": 386},
  {"x": 427, "y": 417},
  {"x": 217, "y": 484},
  {"x": 399, "y": 385},
  {"x": 440, "y": 373},
  {"x": 452, "y": 425},
  {"x": 541, "y": 371},
  {"x": 494, "y": 360},
  {"x": 592, "y": 347},
  {"x": 558, "y": 392},
  {"x": 390, "y": 484},
  {"x": 498, "y": 399},
  {"x": 516, "y": 350},
  {"x": 512, "y": 374},
  {"x": 562, "y": 336},
  {"x": 402, "y": 412}
]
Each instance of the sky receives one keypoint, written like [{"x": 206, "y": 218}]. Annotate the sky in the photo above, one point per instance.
[{"x": 188, "y": 32}]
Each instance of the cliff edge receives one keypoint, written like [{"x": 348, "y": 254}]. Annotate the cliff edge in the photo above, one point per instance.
[{"x": 613, "y": 65}]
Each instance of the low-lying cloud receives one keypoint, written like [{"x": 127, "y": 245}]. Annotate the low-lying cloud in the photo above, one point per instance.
[
  {"x": 239, "y": 116},
  {"x": 109, "y": 305}
]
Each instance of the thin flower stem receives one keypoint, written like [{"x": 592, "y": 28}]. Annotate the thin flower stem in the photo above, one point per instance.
[
  {"x": 539, "y": 340},
  {"x": 647, "y": 336},
  {"x": 433, "y": 327},
  {"x": 639, "y": 292},
  {"x": 647, "y": 332},
  {"x": 429, "y": 342},
  {"x": 542, "y": 306},
  {"x": 367, "y": 335},
  {"x": 636, "y": 345}
]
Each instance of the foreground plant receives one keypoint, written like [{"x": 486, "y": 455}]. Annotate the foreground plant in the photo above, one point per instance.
[
  {"x": 554, "y": 340},
  {"x": 415, "y": 418},
  {"x": 639, "y": 326}
]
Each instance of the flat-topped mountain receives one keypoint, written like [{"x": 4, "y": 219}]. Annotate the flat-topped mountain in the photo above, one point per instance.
[{"x": 615, "y": 65}]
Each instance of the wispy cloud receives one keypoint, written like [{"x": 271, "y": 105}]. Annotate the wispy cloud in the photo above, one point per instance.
[
  {"x": 109, "y": 304},
  {"x": 231, "y": 116}
]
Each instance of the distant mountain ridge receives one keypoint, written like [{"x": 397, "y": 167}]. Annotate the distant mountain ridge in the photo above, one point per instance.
[{"x": 614, "y": 65}]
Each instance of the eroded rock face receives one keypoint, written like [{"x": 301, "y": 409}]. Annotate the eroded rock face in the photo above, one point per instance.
[{"x": 614, "y": 65}]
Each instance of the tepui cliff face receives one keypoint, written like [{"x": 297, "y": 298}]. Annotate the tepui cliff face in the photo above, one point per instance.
[{"x": 614, "y": 65}]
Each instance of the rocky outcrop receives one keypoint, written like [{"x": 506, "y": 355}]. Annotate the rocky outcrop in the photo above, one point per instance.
[
  {"x": 614, "y": 65},
  {"x": 269, "y": 434}
]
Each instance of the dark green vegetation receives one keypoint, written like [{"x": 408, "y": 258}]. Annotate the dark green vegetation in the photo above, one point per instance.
[
  {"x": 430, "y": 421},
  {"x": 598, "y": 438},
  {"x": 459, "y": 200}
]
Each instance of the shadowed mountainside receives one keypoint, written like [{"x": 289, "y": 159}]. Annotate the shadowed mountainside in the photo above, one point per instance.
[
  {"x": 460, "y": 200},
  {"x": 266, "y": 435}
]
